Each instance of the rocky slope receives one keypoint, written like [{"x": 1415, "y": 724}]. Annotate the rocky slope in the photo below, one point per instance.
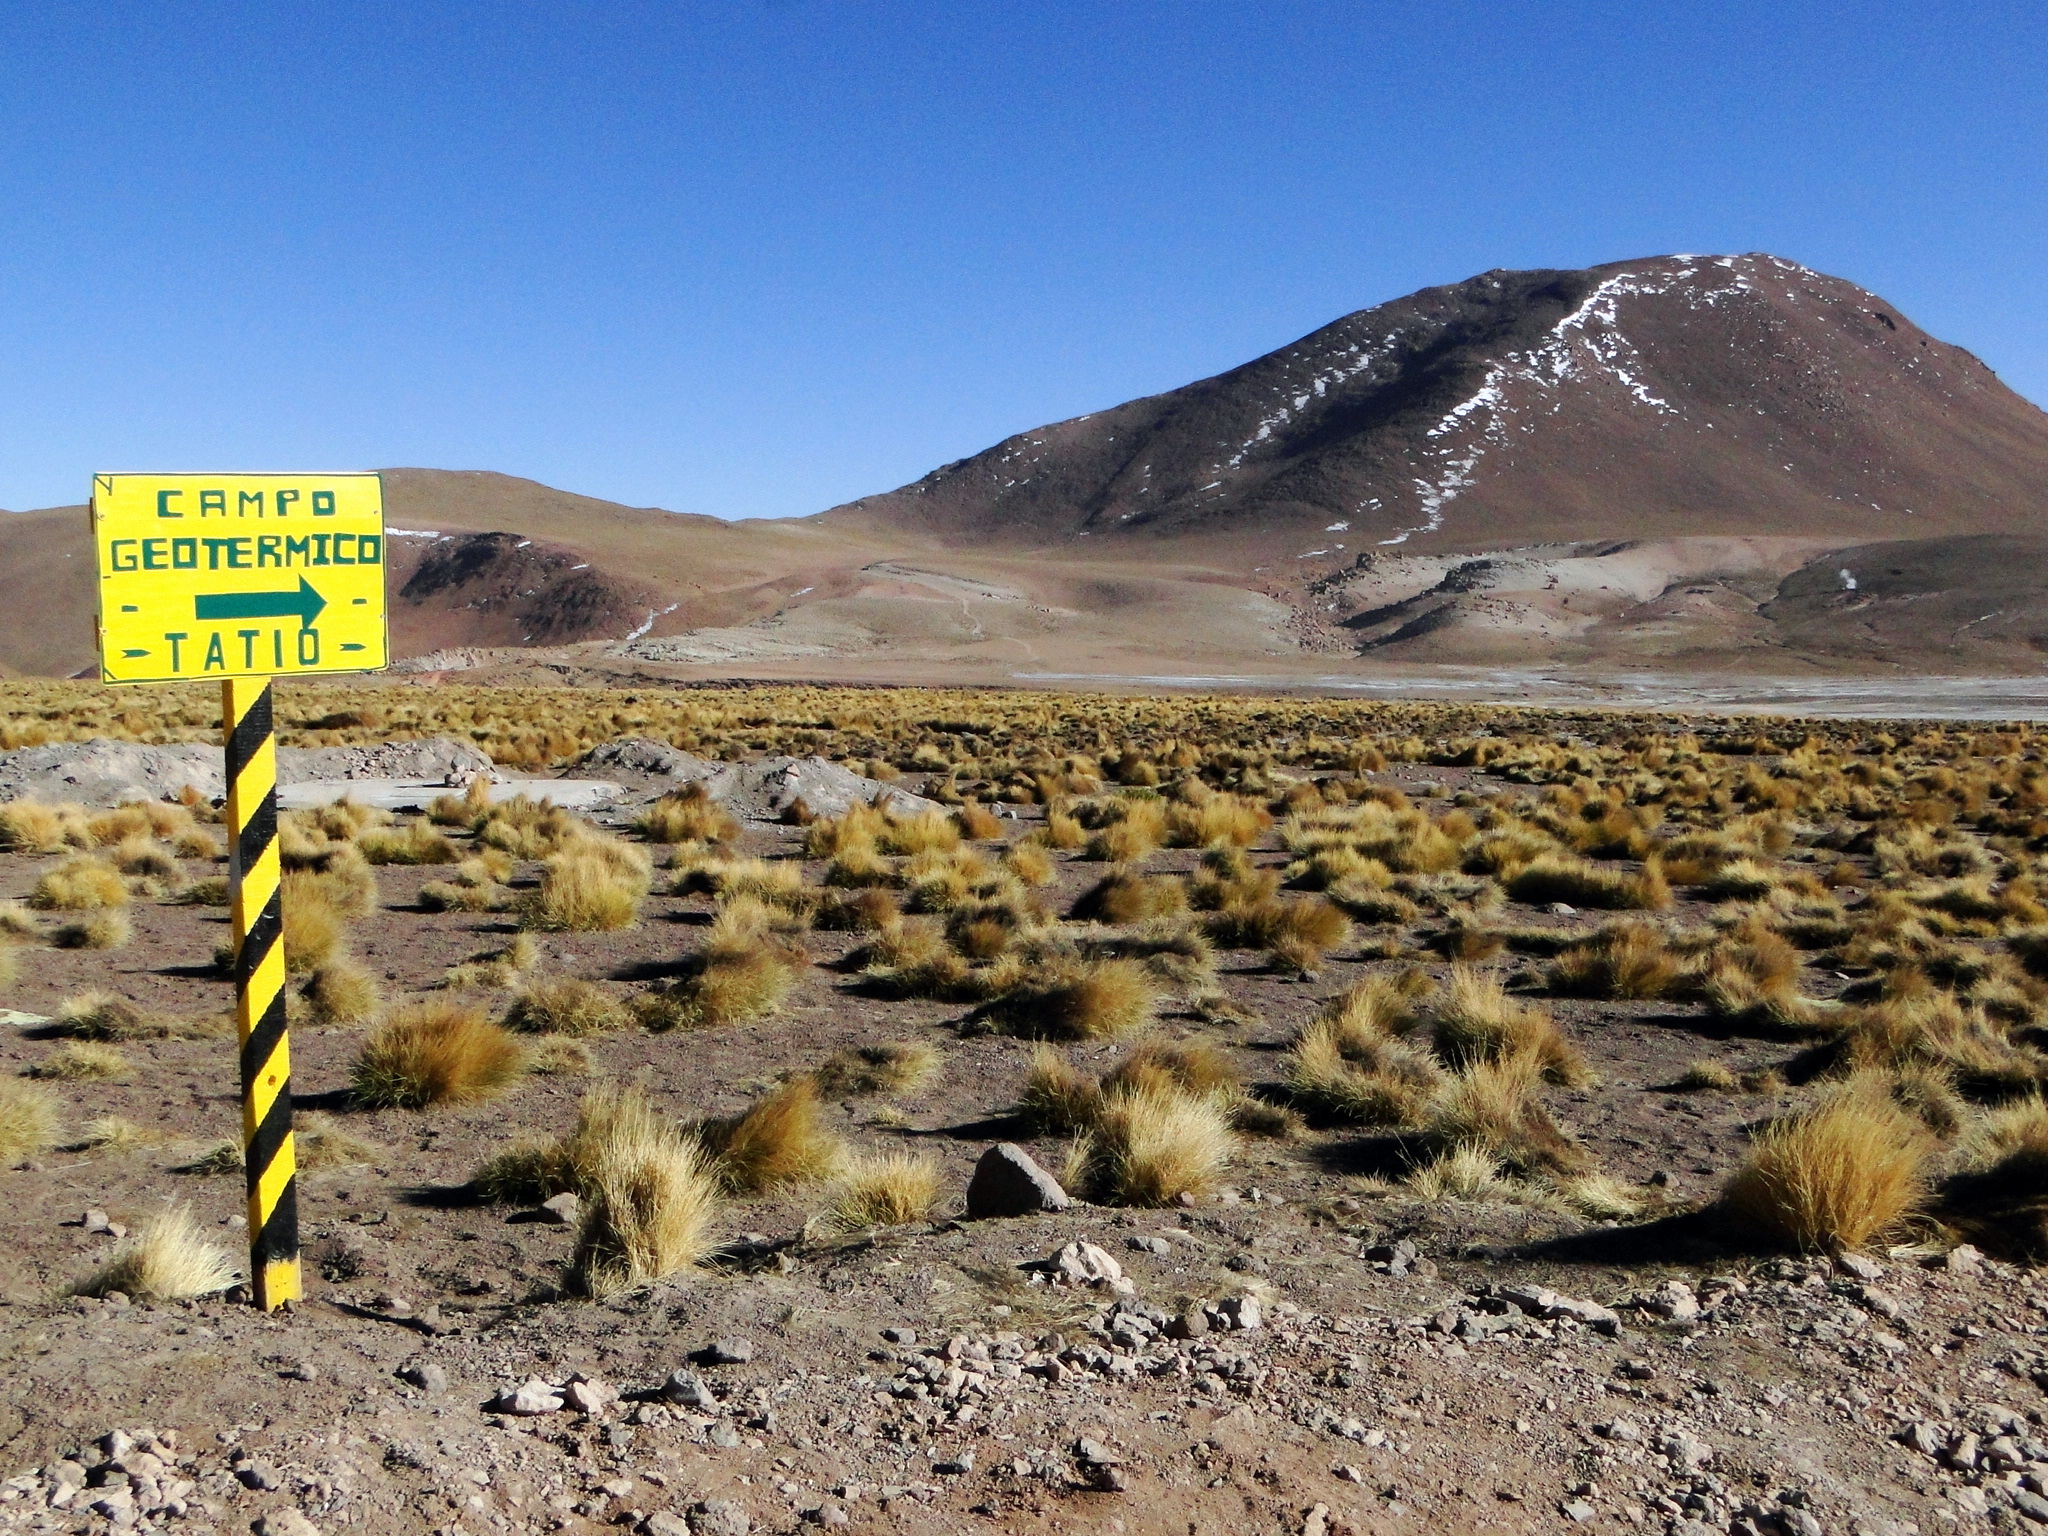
[{"x": 1667, "y": 396}]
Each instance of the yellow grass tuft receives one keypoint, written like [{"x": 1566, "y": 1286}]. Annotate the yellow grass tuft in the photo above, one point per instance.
[
  {"x": 1058, "y": 1096},
  {"x": 587, "y": 888},
  {"x": 105, "y": 1016},
  {"x": 1492, "y": 1104},
  {"x": 83, "y": 1061},
  {"x": 1581, "y": 883},
  {"x": 320, "y": 1141},
  {"x": 901, "y": 1066},
  {"x": 28, "y": 1120},
  {"x": 314, "y": 922},
  {"x": 1477, "y": 1021},
  {"x": 166, "y": 1260},
  {"x": 79, "y": 884},
  {"x": 780, "y": 1140},
  {"x": 417, "y": 843},
  {"x": 566, "y": 1006},
  {"x": 885, "y": 1189},
  {"x": 1622, "y": 960},
  {"x": 432, "y": 1053},
  {"x": 1081, "y": 1000},
  {"x": 688, "y": 815},
  {"x": 1151, "y": 1147},
  {"x": 1836, "y": 1178},
  {"x": 1463, "y": 1172},
  {"x": 27, "y": 826},
  {"x": 108, "y": 928},
  {"x": 342, "y": 992}
]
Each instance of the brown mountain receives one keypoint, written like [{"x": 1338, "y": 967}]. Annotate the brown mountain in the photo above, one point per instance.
[
  {"x": 1682, "y": 464},
  {"x": 1670, "y": 396}
]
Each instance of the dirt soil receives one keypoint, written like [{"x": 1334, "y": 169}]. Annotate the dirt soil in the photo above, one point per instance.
[{"x": 916, "y": 1379}]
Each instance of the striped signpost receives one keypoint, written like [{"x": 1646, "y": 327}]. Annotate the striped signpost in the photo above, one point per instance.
[
  {"x": 237, "y": 578},
  {"x": 256, "y": 902}
]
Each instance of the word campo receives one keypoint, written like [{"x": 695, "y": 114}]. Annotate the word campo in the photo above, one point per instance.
[{"x": 214, "y": 503}]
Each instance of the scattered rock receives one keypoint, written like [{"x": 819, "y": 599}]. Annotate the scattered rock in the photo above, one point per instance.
[
  {"x": 732, "y": 1350},
  {"x": 719, "y": 1517},
  {"x": 1963, "y": 1259},
  {"x": 260, "y": 1476},
  {"x": 96, "y": 1224},
  {"x": 724, "y": 1436},
  {"x": 686, "y": 1388},
  {"x": 564, "y": 1210},
  {"x": 1859, "y": 1266},
  {"x": 662, "y": 1523},
  {"x": 529, "y": 1398},
  {"x": 589, "y": 1396},
  {"x": 900, "y": 1335},
  {"x": 1093, "y": 1453},
  {"x": 956, "y": 1466},
  {"x": 1084, "y": 1264},
  {"x": 427, "y": 1375},
  {"x": 1139, "y": 1242},
  {"x": 1009, "y": 1182},
  {"x": 284, "y": 1522}
]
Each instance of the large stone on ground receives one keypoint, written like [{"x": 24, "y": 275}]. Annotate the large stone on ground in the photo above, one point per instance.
[
  {"x": 103, "y": 772},
  {"x": 443, "y": 760},
  {"x": 1009, "y": 1182}
]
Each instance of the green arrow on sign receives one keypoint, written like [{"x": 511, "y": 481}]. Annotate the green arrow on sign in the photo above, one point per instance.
[{"x": 304, "y": 605}]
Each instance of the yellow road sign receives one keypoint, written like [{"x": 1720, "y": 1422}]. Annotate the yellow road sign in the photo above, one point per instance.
[{"x": 218, "y": 576}]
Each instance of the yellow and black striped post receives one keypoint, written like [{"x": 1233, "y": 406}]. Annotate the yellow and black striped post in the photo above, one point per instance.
[{"x": 256, "y": 901}]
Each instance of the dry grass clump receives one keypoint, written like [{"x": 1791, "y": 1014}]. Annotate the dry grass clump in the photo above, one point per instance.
[
  {"x": 83, "y": 1061},
  {"x": 418, "y": 842},
  {"x": 1128, "y": 898},
  {"x": 108, "y": 928},
  {"x": 114, "y": 1133},
  {"x": 1477, "y": 1021},
  {"x": 1352, "y": 1063},
  {"x": 1753, "y": 978},
  {"x": 321, "y": 1141},
  {"x": 1154, "y": 1146},
  {"x": 29, "y": 826},
  {"x": 342, "y": 992},
  {"x": 1220, "y": 818},
  {"x": 106, "y": 1016},
  {"x": 1835, "y": 1178},
  {"x": 1058, "y": 1097},
  {"x": 743, "y": 972},
  {"x": 1295, "y": 931},
  {"x": 1466, "y": 1172},
  {"x": 898, "y": 1066},
  {"x": 1069, "y": 999},
  {"x": 1706, "y": 1075},
  {"x": 80, "y": 884},
  {"x": 314, "y": 922},
  {"x": 1030, "y": 863},
  {"x": 435, "y": 1052},
  {"x": 648, "y": 1194},
  {"x": 1622, "y": 960},
  {"x": 977, "y": 823},
  {"x": 166, "y": 1260},
  {"x": 496, "y": 968},
  {"x": 28, "y": 1120},
  {"x": 566, "y": 1005},
  {"x": 859, "y": 911},
  {"x": 688, "y": 815},
  {"x": 592, "y": 885},
  {"x": 477, "y": 887},
  {"x": 781, "y": 1140},
  {"x": 1493, "y": 1105},
  {"x": 1581, "y": 883},
  {"x": 885, "y": 1189},
  {"x": 929, "y": 831}
]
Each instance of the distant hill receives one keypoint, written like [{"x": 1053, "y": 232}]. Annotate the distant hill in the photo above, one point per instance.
[
  {"x": 1693, "y": 464},
  {"x": 1670, "y": 396}
]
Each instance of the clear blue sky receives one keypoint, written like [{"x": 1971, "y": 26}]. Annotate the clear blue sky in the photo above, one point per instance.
[{"x": 759, "y": 257}]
